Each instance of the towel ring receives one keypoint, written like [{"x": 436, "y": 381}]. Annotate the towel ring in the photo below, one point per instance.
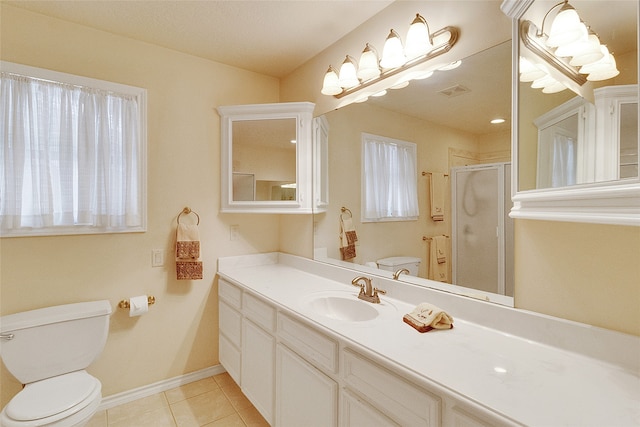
[
  {"x": 344, "y": 210},
  {"x": 187, "y": 210}
]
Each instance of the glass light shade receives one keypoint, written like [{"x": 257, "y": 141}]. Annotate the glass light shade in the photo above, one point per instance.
[
  {"x": 604, "y": 73},
  {"x": 571, "y": 49},
  {"x": 330, "y": 85},
  {"x": 603, "y": 64},
  {"x": 451, "y": 66},
  {"x": 368, "y": 67},
  {"x": 381, "y": 93},
  {"x": 400, "y": 85},
  {"x": 565, "y": 27},
  {"x": 530, "y": 71},
  {"x": 418, "y": 38},
  {"x": 554, "y": 87},
  {"x": 392, "y": 53},
  {"x": 590, "y": 52},
  {"x": 348, "y": 77},
  {"x": 542, "y": 82}
]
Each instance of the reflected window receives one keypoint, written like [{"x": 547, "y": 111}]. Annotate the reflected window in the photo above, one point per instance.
[{"x": 389, "y": 184}]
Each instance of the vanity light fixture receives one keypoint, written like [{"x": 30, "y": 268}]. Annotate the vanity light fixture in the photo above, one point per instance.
[
  {"x": 421, "y": 46},
  {"x": 571, "y": 47}
]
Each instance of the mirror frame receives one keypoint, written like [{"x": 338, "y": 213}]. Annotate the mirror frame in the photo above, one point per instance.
[
  {"x": 303, "y": 113},
  {"x": 615, "y": 202}
]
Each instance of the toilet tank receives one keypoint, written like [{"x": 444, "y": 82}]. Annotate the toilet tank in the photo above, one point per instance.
[
  {"x": 399, "y": 262},
  {"x": 55, "y": 340}
]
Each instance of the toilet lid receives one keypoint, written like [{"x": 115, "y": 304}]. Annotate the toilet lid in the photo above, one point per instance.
[{"x": 52, "y": 396}]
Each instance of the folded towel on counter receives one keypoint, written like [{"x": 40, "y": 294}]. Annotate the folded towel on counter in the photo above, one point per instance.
[
  {"x": 348, "y": 239},
  {"x": 437, "y": 187},
  {"x": 426, "y": 317},
  {"x": 187, "y": 242}
]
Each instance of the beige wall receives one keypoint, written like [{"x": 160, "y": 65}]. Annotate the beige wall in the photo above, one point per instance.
[{"x": 179, "y": 334}]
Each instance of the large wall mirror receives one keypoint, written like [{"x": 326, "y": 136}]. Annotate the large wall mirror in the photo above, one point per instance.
[
  {"x": 577, "y": 150},
  {"x": 448, "y": 117}
]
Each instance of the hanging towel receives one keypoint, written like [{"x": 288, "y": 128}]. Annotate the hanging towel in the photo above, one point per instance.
[
  {"x": 348, "y": 239},
  {"x": 188, "y": 264},
  {"x": 187, "y": 242},
  {"x": 437, "y": 196},
  {"x": 439, "y": 271},
  {"x": 426, "y": 317}
]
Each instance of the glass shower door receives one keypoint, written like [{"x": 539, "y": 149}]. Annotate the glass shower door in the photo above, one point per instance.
[{"x": 477, "y": 223}]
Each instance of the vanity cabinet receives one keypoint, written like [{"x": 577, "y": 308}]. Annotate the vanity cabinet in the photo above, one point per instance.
[{"x": 297, "y": 374}]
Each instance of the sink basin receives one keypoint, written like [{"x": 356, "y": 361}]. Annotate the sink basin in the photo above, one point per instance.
[{"x": 343, "y": 308}]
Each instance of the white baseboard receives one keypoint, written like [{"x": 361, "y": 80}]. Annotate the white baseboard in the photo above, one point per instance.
[{"x": 160, "y": 386}]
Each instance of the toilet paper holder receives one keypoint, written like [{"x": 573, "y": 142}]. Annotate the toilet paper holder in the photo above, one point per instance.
[{"x": 125, "y": 302}]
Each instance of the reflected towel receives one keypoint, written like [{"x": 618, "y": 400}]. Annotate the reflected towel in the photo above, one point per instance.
[
  {"x": 348, "y": 239},
  {"x": 187, "y": 242},
  {"x": 439, "y": 271},
  {"x": 437, "y": 185},
  {"x": 426, "y": 317}
]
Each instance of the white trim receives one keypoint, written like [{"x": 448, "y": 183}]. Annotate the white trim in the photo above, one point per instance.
[{"x": 164, "y": 385}]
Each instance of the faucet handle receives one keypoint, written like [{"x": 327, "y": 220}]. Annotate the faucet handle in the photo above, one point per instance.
[{"x": 376, "y": 291}]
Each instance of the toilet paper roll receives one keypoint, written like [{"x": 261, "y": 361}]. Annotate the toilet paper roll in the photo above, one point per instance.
[{"x": 138, "y": 305}]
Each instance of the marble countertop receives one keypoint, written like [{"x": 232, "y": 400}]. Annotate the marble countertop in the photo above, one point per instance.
[{"x": 520, "y": 379}]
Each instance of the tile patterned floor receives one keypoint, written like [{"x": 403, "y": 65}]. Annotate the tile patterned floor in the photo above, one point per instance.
[{"x": 213, "y": 402}]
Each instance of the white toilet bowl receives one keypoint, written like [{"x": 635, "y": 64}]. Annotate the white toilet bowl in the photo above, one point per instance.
[{"x": 47, "y": 350}]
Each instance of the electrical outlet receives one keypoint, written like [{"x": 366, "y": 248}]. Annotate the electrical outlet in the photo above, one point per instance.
[
  {"x": 234, "y": 232},
  {"x": 157, "y": 258}
]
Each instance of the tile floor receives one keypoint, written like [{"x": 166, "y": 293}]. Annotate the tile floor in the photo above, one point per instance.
[{"x": 213, "y": 402}]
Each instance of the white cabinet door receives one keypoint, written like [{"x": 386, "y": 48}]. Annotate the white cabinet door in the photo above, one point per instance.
[
  {"x": 305, "y": 396},
  {"x": 258, "y": 364},
  {"x": 354, "y": 412}
]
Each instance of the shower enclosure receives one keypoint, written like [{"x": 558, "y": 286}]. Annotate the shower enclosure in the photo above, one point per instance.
[{"x": 482, "y": 232}]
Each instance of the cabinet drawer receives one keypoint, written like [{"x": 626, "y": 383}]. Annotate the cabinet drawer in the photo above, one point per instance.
[
  {"x": 310, "y": 344},
  {"x": 354, "y": 412},
  {"x": 399, "y": 399},
  {"x": 230, "y": 323},
  {"x": 258, "y": 311},
  {"x": 230, "y": 293},
  {"x": 229, "y": 357}
]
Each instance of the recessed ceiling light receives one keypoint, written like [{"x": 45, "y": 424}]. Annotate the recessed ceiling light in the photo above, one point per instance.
[{"x": 497, "y": 121}]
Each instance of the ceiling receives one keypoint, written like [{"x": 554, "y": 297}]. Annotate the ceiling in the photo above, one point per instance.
[{"x": 272, "y": 37}]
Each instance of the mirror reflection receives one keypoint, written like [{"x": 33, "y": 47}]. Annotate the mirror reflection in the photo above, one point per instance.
[
  {"x": 566, "y": 139},
  {"x": 463, "y": 165},
  {"x": 264, "y": 159}
]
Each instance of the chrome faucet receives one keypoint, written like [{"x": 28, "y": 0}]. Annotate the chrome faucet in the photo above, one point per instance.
[
  {"x": 397, "y": 274},
  {"x": 367, "y": 291}
]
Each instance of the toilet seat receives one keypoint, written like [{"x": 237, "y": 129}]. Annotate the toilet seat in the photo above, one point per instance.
[{"x": 62, "y": 400}]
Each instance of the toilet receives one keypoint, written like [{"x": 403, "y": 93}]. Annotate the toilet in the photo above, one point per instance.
[
  {"x": 48, "y": 350},
  {"x": 399, "y": 262}
]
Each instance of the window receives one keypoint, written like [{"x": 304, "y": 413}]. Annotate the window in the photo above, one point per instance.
[
  {"x": 389, "y": 179},
  {"x": 73, "y": 154}
]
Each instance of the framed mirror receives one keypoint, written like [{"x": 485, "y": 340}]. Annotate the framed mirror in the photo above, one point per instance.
[
  {"x": 448, "y": 117},
  {"x": 577, "y": 143},
  {"x": 266, "y": 158}
]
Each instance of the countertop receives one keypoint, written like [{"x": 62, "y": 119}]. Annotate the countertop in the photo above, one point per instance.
[{"x": 517, "y": 378}]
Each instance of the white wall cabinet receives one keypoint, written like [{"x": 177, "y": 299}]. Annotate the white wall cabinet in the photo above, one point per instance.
[
  {"x": 272, "y": 155},
  {"x": 296, "y": 374}
]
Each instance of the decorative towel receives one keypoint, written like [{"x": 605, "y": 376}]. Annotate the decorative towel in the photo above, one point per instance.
[
  {"x": 188, "y": 264},
  {"x": 426, "y": 317},
  {"x": 437, "y": 196},
  {"x": 348, "y": 239},
  {"x": 438, "y": 259},
  {"x": 187, "y": 241}
]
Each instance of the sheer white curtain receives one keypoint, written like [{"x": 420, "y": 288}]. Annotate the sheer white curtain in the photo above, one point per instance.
[
  {"x": 389, "y": 179},
  {"x": 70, "y": 156},
  {"x": 564, "y": 161}
]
